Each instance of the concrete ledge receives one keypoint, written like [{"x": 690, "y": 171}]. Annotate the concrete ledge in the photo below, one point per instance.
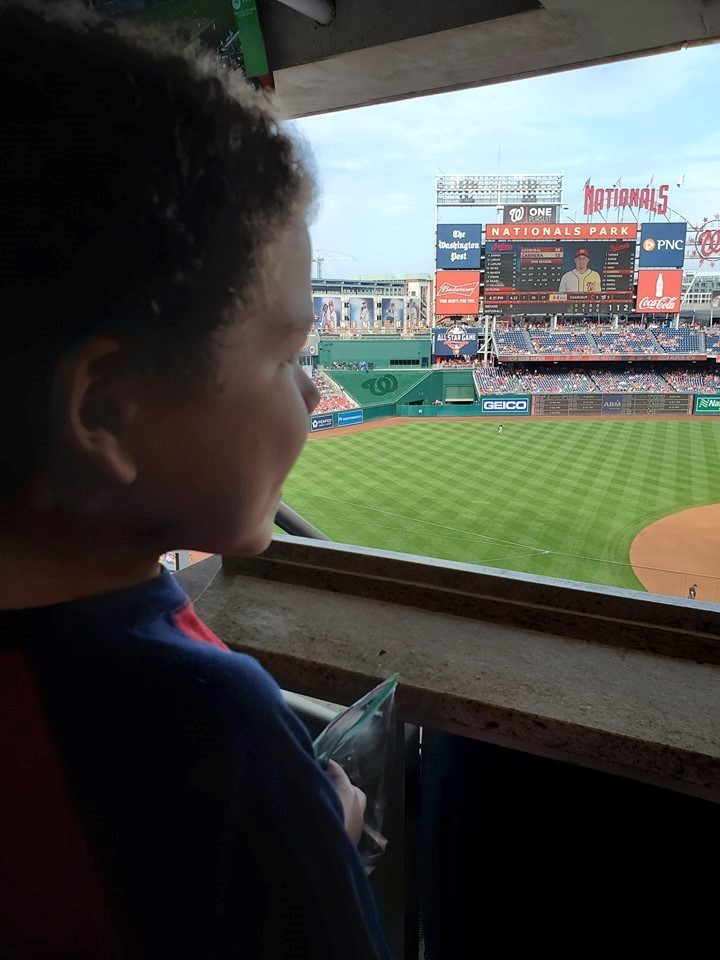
[{"x": 607, "y": 679}]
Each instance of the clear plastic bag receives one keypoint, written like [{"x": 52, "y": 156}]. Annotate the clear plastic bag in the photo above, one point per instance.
[{"x": 362, "y": 739}]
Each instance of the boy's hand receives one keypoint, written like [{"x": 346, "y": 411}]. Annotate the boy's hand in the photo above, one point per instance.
[{"x": 352, "y": 798}]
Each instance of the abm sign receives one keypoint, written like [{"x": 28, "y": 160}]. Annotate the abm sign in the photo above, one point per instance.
[
  {"x": 662, "y": 244},
  {"x": 506, "y": 406}
]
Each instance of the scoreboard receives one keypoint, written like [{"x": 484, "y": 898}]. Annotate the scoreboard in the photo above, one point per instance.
[
  {"x": 610, "y": 404},
  {"x": 564, "y": 405},
  {"x": 528, "y": 276}
]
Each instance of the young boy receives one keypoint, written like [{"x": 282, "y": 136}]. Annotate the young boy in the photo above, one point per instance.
[{"x": 159, "y": 799}]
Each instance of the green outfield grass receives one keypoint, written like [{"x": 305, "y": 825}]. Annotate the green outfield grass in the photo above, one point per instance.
[{"x": 557, "y": 498}]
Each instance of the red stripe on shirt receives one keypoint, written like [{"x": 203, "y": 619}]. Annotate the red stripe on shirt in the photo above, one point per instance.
[
  {"x": 192, "y": 626},
  {"x": 53, "y": 901}
]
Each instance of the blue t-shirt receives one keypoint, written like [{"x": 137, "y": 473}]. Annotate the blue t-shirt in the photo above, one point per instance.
[{"x": 162, "y": 799}]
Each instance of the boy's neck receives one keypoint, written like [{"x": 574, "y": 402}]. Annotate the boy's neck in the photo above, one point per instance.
[{"x": 38, "y": 572}]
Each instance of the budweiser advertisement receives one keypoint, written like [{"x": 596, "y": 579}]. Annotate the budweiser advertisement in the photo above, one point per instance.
[
  {"x": 457, "y": 291},
  {"x": 659, "y": 291}
]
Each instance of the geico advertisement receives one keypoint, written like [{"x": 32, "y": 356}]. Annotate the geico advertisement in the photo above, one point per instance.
[{"x": 506, "y": 406}]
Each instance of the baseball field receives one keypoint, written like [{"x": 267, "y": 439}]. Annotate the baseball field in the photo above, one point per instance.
[{"x": 559, "y": 498}]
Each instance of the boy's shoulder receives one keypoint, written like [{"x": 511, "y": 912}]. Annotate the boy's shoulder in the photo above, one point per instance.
[{"x": 148, "y": 630}]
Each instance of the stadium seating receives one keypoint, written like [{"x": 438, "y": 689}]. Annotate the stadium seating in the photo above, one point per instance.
[
  {"x": 561, "y": 343},
  {"x": 679, "y": 341},
  {"x": 712, "y": 342},
  {"x": 631, "y": 381},
  {"x": 331, "y": 396},
  {"x": 512, "y": 341},
  {"x": 629, "y": 340},
  {"x": 522, "y": 380},
  {"x": 591, "y": 379},
  {"x": 690, "y": 381}
]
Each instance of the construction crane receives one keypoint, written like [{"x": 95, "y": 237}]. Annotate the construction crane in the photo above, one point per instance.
[{"x": 322, "y": 255}]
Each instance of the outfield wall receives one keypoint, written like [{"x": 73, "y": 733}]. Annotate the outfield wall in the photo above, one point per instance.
[
  {"x": 600, "y": 405},
  {"x": 347, "y": 418}
]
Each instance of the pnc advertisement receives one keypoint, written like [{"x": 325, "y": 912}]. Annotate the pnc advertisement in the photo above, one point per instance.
[
  {"x": 562, "y": 277},
  {"x": 662, "y": 245},
  {"x": 457, "y": 291}
]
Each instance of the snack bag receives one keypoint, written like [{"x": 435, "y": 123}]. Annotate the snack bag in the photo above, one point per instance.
[{"x": 362, "y": 739}]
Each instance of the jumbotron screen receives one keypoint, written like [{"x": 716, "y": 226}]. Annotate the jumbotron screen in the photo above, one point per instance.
[{"x": 537, "y": 276}]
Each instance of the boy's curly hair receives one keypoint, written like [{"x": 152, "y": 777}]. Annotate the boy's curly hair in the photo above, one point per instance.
[{"x": 140, "y": 186}]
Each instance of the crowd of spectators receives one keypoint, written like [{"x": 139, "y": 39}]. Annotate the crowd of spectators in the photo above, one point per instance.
[
  {"x": 523, "y": 379},
  {"x": 631, "y": 381},
  {"x": 678, "y": 341},
  {"x": 512, "y": 341},
  {"x": 690, "y": 381},
  {"x": 333, "y": 402},
  {"x": 461, "y": 361},
  {"x": 583, "y": 324},
  {"x": 331, "y": 395},
  {"x": 562, "y": 343},
  {"x": 355, "y": 365},
  {"x": 597, "y": 338},
  {"x": 630, "y": 340}
]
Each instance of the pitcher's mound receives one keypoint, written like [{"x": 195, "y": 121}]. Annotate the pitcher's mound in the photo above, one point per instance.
[{"x": 678, "y": 551}]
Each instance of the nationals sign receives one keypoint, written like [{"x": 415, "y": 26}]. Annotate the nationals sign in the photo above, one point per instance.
[
  {"x": 658, "y": 291},
  {"x": 457, "y": 291},
  {"x": 647, "y": 198}
]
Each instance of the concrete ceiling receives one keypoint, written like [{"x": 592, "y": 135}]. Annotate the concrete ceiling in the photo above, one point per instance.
[{"x": 380, "y": 50}]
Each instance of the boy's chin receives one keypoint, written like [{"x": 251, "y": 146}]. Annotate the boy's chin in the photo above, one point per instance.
[{"x": 248, "y": 545}]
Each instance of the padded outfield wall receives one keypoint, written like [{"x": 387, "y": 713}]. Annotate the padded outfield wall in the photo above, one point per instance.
[{"x": 414, "y": 394}]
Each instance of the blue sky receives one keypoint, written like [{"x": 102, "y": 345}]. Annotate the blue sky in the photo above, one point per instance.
[{"x": 377, "y": 165}]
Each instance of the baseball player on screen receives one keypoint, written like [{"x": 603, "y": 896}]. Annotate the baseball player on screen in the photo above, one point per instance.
[{"x": 581, "y": 279}]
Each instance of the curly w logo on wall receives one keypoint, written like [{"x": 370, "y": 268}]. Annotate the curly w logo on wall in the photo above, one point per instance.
[{"x": 380, "y": 386}]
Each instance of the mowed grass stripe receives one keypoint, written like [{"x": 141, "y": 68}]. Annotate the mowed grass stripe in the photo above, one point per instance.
[{"x": 559, "y": 498}]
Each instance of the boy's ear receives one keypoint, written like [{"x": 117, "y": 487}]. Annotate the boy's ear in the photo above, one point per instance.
[{"x": 99, "y": 406}]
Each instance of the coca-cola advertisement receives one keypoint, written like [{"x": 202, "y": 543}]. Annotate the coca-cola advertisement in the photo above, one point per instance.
[
  {"x": 457, "y": 292},
  {"x": 659, "y": 291}
]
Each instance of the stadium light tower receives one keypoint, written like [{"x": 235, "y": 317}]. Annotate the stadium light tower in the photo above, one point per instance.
[{"x": 322, "y": 255}]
